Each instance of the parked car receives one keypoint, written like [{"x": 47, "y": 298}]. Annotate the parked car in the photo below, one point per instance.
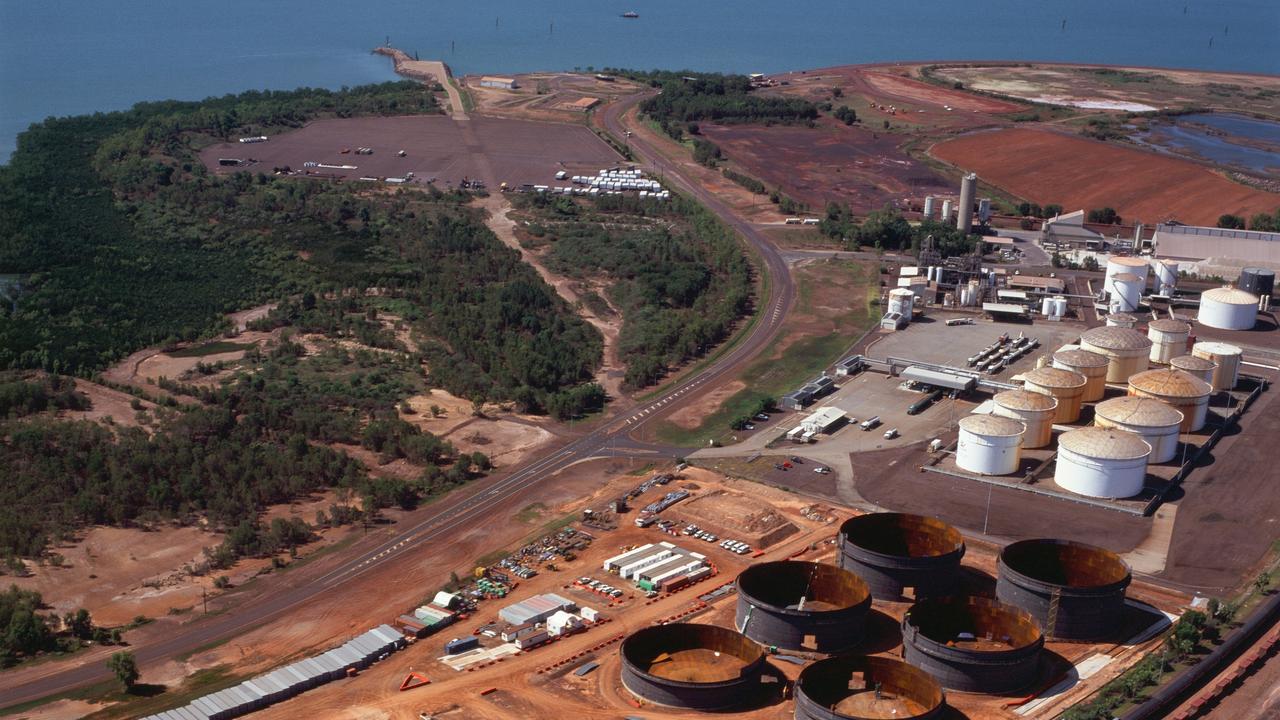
[{"x": 821, "y": 470}]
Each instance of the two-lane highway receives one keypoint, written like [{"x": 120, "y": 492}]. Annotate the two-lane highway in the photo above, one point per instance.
[{"x": 468, "y": 508}]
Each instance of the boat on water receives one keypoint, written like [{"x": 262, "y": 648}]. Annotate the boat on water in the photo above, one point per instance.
[{"x": 631, "y": 14}]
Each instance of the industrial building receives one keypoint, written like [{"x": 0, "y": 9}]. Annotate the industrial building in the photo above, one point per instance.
[
  {"x": 692, "y": 666},
  {"x": 1067, "y": 232},
  {"x": 802, "y": 606},
  {"x": 865, "y": 688},
  {"x": 654, "y": 566},
  {"x": 990, "y": 444},
  {"x": 1127, "y": 351},
  {"x": 1074, "y": 591},
  {"x": 1192, "y": 242},
  {"x": 897, "y": 552},
  {"x": 973, "y": 644},
  {"x": 1036, "y": 411},
  {"x": 1155, "y": 422},
  {"x": 823, "y": 421},
  {"x": 1102, "y": 462},
  {"x": 290, "y": 680},
  {"x": 1228, "y": 308},
  {"x": 810, "y": 391},
  {"x": 1184, "y": 391},
  {"x": 502, "y": 83},
  {"x": 535, "y": 609}
]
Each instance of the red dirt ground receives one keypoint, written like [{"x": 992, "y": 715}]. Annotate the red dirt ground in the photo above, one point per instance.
[
  {"x": 920, "y": 92},
  {"x": 829, "y": 162},
  {"x": 1046, "y": 166}
]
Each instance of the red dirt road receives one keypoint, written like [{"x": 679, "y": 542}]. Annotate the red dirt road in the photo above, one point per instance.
[
  {"x": 895, "y": 86},
  {"x": 1051, "y": 167}
]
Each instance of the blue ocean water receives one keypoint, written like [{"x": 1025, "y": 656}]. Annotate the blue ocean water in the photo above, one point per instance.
[{"x": 62, "y": 57}]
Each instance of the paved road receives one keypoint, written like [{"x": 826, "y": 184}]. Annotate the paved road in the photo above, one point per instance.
[{"x": 467, "y": 509}]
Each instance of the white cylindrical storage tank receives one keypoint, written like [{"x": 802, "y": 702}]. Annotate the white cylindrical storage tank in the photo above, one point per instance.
[
  {"x": 1033, "y": 409},
  {"x": 990, "y": 444},
  {"x": 1121, "y": 320},
  {"x": 1168, "y": 339},
  {"x": 1126, "y": 350},
  {"x": 1227, "y": 356},
  {"x": 1102, "y": 462},
  {"x": 1202, "y": 368},
  {"x": 928, "y": 207},
  {"x": 1166, "y": 276},
  {"x": 1046, "y": 307},
  {"x": 946, "y": 211},
  {"x": 1186, "y": 392},
  {"x": 1132, "y": 265},
  {"x": 1059, "y": 306},
  {"x": 1154, "y": 421},
  {"x": 1125, "y": 290},
  {"x": 1089, "y": 364},
  {"x": 1228, "y": 308},
  {"x": 1065, "y": 385},
  {"x": 900, "y": 300}
]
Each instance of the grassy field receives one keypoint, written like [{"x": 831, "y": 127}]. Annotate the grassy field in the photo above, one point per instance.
[{"x": 833, "y": 308}]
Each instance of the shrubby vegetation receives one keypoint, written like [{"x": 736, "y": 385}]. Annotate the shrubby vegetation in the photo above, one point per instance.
[
  {"x": 887, "y": 230},
  {"x": 125, "y": 240},
  {"x": 677, "y": 274},
  {"x": 746, "y": 181},
  {"x": 688, "y": 96},
  {"x": 1263, "y": 222},
  {"x": 28, "y": 631}
]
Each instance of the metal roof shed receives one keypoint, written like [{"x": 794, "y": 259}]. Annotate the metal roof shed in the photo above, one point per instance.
[
  {"x": 390, "y": 634},
  {"x": 207, "y": 706},
  {"x": 348, "y": 655},
  {"x": 301, "y": 678},
  {"x": 256, "y": 691},
  {"x": 233, "y": 701},
  {"x": 951, "y": 381},
  {"x": 368, "y": 646},
  {"x": 191, "y": 712}
]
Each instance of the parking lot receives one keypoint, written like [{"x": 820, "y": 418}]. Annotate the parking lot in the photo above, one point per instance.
[
  {"x": 493, "y": 149},
  {"x": 933, "y": 341}
]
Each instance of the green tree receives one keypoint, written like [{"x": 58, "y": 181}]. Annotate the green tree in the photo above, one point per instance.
[
  {"x": 79, "y": 624},
  {"x": 125, "y": 668},
  {"x": 1104, "y": 216},
  {"x": 1231, "y": 222}
]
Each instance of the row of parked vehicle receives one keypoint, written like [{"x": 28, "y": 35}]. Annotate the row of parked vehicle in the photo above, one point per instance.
[
  {"x": 597, "y": 586},
  {"x": 736, "y": 546}
]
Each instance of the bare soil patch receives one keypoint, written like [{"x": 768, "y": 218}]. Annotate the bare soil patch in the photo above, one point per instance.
[
  {"x": 896, "y": 86},
  {"x": 1046, "y": 167},
  {"x": 690, "y": 416},
  {"x": 832, "y": 162},
  {"x": 107, "y": 403},
  {"x": 737, "y": 516},
  {"x": 518, "y": 151},
  {"x": 547, "y": 96}
]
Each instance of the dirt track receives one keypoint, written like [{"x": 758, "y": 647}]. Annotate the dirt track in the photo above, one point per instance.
[{"x": 1052, "y": 167}]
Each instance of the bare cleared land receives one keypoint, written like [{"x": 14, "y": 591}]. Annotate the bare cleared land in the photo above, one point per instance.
[
  {"x": 1052, "y": 167},
  {"x": 1137, "y": 89},
  {"x": 517, "y": 151}
]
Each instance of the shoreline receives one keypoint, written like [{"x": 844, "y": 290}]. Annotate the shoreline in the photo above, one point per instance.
[{"x": 401, "y": 64}]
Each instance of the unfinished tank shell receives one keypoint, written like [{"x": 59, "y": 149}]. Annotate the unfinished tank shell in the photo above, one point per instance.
[
  {"x": 686, "y": 665},
  {"x": 973, "y": 644},
  {"x": 802, "y": 606},
  {"x": 867, "y": 688},
  {"x": 897, "y": 552},
  {"x": 1086, "y": 583}
]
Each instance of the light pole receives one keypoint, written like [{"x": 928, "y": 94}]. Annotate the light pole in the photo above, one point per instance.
[{"x": 987, "y": 517}]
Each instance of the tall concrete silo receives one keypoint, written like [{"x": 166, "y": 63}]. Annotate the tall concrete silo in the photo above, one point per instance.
[{"x": 964, "y": 213}]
